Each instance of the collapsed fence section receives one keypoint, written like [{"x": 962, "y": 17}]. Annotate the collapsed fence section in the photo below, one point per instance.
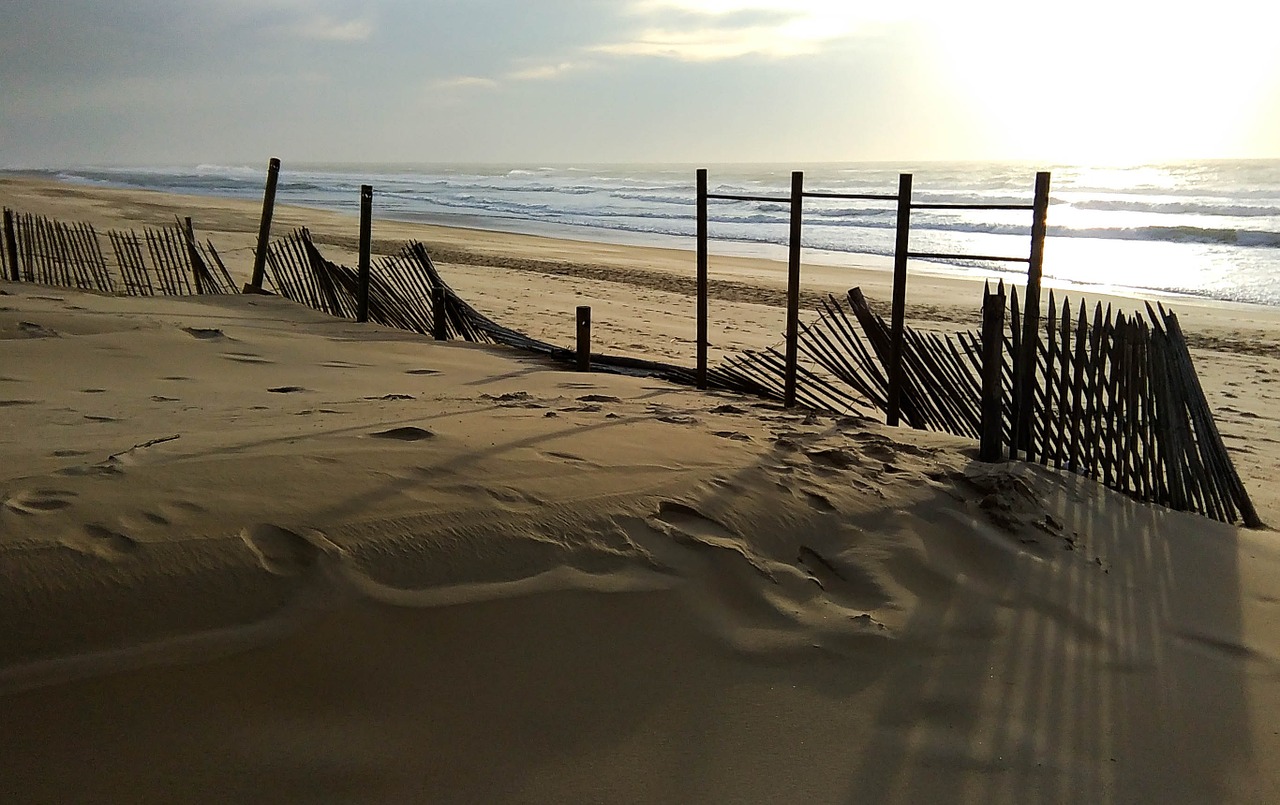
[{"x": 167, "y": 261}]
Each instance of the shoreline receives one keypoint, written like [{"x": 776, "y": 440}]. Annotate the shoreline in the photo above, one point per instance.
[{"x": 605, "y": 236}]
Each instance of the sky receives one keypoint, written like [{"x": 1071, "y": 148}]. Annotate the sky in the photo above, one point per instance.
[{"x": 171, "y": 82}]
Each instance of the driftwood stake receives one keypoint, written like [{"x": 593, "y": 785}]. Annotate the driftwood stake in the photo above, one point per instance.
[
  {"x": 584, "y": 338},
  {"x": 702, "y": 279},
  {"x": 793, "y": 290},
  {"x": 992, "y": 373},
  {"x": 366, "y": 227},
  {"x": 898, "y": 315},
  {"x": 264, "y": 226},
  {"x": 11, "y": 245}
]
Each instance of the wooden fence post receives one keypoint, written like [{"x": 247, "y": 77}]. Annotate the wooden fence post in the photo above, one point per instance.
[
  {"x": 1031, "y": 316},
  {"x": 439, "y": 329},
  {"x": 193, "y": 253},
  {"x": 897, "y": 321},
  {"x": 264, "y": 227},
  {"x": 702, "y": 278},
  {"x": 11, "y": 245},
  {"x": 366, "y": 227},
  {"x": 584, "y": 338},
  {"x": 793, "y": 290},
  {"x": 992, "y": 439}
]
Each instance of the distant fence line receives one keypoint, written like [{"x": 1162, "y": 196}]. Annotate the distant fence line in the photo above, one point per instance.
[{"x": 166, "y": 261}]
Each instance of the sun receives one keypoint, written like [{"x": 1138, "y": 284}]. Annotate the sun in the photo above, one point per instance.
[{"x": 1111, "y": 83}]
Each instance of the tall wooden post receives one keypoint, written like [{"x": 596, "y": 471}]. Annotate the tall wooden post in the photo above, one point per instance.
[
  {"x": 366, "y": 227},
  {"x": 899, "y": 312},
  {"x": 264, "y": 227},
  {"x": 702, "y": 278},
  {"x": 11, "y": 245},
  {"x": 193, "y": 254},
  {"x": 992, "y": 438},
  {"x": 793, "y": 290},
  {"x": 1031, "y": 316},
  {"x": 584, "y": 338}
]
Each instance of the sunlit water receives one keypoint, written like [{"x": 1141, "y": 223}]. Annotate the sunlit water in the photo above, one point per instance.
[{"x": 1204, "y": 228}]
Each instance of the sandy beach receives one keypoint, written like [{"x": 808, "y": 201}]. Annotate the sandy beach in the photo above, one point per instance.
[{"x": 253, "y": 553}]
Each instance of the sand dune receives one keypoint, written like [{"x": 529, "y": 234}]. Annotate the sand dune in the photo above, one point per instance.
[{"x": 253, "y": 553}]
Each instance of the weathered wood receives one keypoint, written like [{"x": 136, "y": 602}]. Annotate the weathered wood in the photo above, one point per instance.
[
  {"x": 702, "y": 334},
  {"x": 11, "y": 246},
  {"x": 1078, "y": 388},
  {"x": 1031, "y": 316},
  {"x": 793, "y": 288},
  {"x": 366, "y": 228},
  {"x": 1235, "y": 491},
  {"x": 193, "y": 255},
  {"x": 990, "y": 448},
  {"x": 1063, "y": 412},
  {"x": 898, "y": 311},
  {"x": 1046, "y": 450},
  {"x": 264, "y": 224},
  {"x": 1019, "y": 366}
]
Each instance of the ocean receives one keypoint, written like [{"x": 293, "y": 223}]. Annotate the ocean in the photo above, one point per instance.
[{"x": 1207, "y": 228}]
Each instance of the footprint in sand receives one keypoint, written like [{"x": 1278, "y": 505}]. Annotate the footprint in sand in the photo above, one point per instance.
[
  {"x": 344, "y": 365},
  {"x": 279, "y": 550},
  {"x": 102, "y": 542},
  {"x": 405, "y": 434},
  {"x": 32, "y": 330},
  {"x": 39, "y": 501},
  {"x": 245, "y": 357},
  {"x": 206, "y": 334}
]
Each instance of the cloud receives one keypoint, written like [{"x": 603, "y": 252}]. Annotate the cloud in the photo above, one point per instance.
[
  {"x": 715, "y": 30},
  {"x": 543, "y": 72},
  {"x": 464, "y": 82},
  {"x": 326, "y": 28}
]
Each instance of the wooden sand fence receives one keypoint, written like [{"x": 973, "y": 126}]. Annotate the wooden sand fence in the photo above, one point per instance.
[
  {"x": 168, "y": 261},
  {"x": 407, "y": 292},
  {"x": 1113, "y": 396}
]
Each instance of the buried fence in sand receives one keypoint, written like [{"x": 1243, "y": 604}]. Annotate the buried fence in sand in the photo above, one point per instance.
[{"x": 1114, "y": 399}]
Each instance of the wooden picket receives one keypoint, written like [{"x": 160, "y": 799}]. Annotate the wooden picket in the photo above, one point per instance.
[{"x": 1116, "y": 399}]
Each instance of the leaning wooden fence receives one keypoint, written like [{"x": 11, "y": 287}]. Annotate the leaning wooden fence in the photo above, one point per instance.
[
  {"x": 168, "y": 261},
  {"x": 1113, "y": 396},
  {"x": 406, "y": 291}
]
